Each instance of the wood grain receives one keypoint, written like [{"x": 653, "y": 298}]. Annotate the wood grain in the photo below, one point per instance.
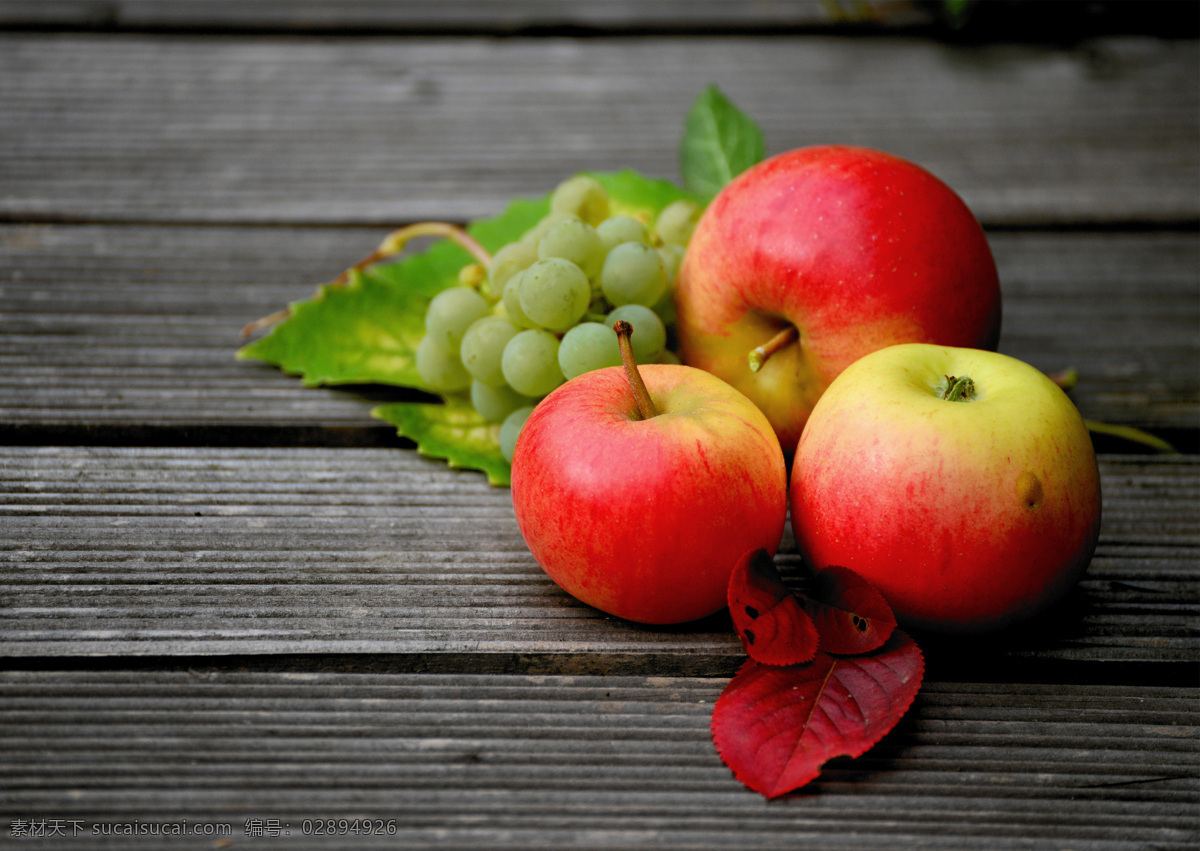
[
  {"x": 110, "y": 331},
  {"x": 993, "y": 21},
  {"x": 180, "y": 552},
  {"x": 492, "y": 16},
  {"x": 264, "y": 620},
  {"x": 623, "y": 762},
  {"x": 384, "y": 131}
]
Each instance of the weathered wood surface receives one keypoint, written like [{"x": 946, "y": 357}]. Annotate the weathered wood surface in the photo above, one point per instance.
[
  {"x": 291, "y": 627},
  {"x": 525, "y": 762},
  {"x": 120, "y": 329},
  {"x": 204, "y": 129},
  {"x": 439, "y": 15},
  {"x": 1031, "y": 22},
  {"x": 208, "y": 551}
]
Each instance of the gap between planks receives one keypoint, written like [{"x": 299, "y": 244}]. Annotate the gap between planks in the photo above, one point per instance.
[
  {"x": 525, "y": 761},
  {"x": 342, "y": 554}
]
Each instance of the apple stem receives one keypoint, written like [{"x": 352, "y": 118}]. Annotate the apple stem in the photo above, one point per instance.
[
  {"x": 958, "y": 389},
  {"x": 641, "y": 395},
  {"x": 762, "y": 354}
]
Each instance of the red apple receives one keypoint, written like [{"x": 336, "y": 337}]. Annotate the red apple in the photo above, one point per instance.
[
  {"x": 833, "y": 252},
  {"x": 969, "y": 513},
  {"x": 641, "y": 501}
]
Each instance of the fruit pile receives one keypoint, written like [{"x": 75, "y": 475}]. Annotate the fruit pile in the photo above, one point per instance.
[
  {"x": 851, "y": 298},
  {"x": 776, "y": 278},
  {"x": 543, "y": 311},
  {"x": 836, "y": 310}
]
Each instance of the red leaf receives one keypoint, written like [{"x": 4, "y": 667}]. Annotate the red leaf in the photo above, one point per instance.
[
  {"x": 775, "y": 727},
  {"x": 851, "y": 616},
  {"x": 773, "y": 626}
]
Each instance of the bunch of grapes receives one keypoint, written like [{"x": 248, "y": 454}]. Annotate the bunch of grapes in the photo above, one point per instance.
[{"x": 544, "y": 310}]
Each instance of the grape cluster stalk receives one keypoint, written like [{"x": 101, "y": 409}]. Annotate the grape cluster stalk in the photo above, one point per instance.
[{"x": 543, "y": 310}]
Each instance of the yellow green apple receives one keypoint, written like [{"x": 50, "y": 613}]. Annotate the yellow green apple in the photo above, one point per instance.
[{"x": 961, "y": 483}]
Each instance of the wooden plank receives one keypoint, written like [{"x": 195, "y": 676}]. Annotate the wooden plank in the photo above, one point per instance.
[
  {"x": 383, "y": 131},
  {"x": 136, "y": 327},
  {"x": 994, "y": 21},
  {"x": 504, "y": 761},
  {"x": 1121, "y": 308},
  {"x": 161, "y": 552},
  {"x": 507, "y": 15},
  {"x": 109, "y": 332}
]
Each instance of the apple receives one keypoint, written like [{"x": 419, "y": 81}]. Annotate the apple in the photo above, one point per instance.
[
  {"x": 815, "y": 257},
  {"x": 961, "y": 483},
  {"x": 637, "y": 489}
]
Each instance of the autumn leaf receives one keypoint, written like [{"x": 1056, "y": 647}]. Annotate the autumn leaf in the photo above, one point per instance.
[
  {"x": 773, "y": 626},
  {"x": 775, "y": 727},
  {"x": 850, "y": 615}
]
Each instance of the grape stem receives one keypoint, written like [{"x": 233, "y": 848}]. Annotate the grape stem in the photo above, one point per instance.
[
  {"x": 1065, "y": 378},
  {"x": 392, "y": 245},
  {"x": 641, "y": 395},
  {"x": 763, "y": 353}
]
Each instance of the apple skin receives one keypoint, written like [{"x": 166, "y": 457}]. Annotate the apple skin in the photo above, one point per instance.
[
  {"x": 856, "y": 248},
  {"x": 646, "y": 519},
  {"x": 968, "y": 516}
]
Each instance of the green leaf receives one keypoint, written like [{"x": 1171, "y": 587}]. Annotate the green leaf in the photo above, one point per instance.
[
  {"x": 452, "y": 431},
  {"x": 631, "y": 194},
  {"x": 363, "y": 332},
  {"x": 367, "y": 331},
  {"x": 957, "y": 12},
  {"x": 518, "y": 217},
  {"x": 719, "y": 143}
]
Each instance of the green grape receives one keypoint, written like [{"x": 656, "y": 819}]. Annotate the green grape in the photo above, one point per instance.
[
  {"x": 613, "y": 231},
  {"x": 670, "y": 357},
  {"x": 482, "y": 347},
  {"x": 583, "y": 196},
  {"x": 665, "y": 309},
  {"x": 530, "y": 363},
  {"x": 534, "y": 235},
  {"x": 512, "y": 302},
  {"x": 496, "y": 403},
  {"x": 633, "y": 273},
  {"x": 649, "y": 335},
  {"x": 441, "y": 371},
  {"x": 510, "y": 430},
  {"x": 672, "y": 257},
  {"x": 574, "y": 240},
  {"x": 554, "y": 293},
  {"x": 677, "y": 221},
  {"x": 509, "y": 260},
  {"x": 597, "y": 308},
  {"x": 588, "y": 346},
  {"x": 451, "y": 313},
  {"x": 472, "y": 275}
]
